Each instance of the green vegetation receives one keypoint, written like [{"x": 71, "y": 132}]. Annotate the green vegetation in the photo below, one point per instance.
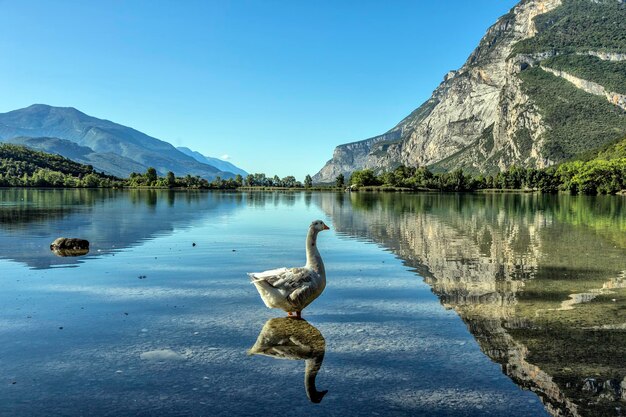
[
  {"x": 261, "y": 180},
  {"x": 605, "y": 173},
  {"x": 613, "y": 150},
  {"x": 611, "y": 75},
  {"x": 596, "y": 176},
  {"x": 578, "y": 121},
  {"x": 579, "y": 26},
  {"x": 340, "y": 181},
  {"x": 22, "y": 167},
  {"x": 151, "y": 179},
  {"x": 308, "y": 181}
]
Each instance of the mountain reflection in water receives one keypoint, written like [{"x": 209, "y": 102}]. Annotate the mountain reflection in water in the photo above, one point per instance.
[
  {"x": 294, "y": 339},
  {"x": 539, "y": 281}
]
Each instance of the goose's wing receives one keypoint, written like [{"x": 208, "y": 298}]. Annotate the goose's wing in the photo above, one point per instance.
[
  {"x": 265, "y": 275},
  {"x": 304, "y": 294},
  {"x": 295, "y": 283}
]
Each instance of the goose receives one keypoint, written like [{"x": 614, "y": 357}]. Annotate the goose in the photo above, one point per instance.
[
  {"x": 283, "y": 338},
  {"x": 292, "y": 289}
]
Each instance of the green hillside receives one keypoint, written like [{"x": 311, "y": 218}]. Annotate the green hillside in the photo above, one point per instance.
[
  {"x": 579, "y": 26},
  {"x": 612, "y": 150},
  {"x": 21, "y": 166},
  {"x": 578, "y": 121},
  {"x": 609, "y": 74}
]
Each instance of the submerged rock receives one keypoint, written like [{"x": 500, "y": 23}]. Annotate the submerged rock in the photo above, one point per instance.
[{"x": 65, "y": 246}]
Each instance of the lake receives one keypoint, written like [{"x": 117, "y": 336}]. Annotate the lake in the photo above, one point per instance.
[{"x": 436, "y": 304}]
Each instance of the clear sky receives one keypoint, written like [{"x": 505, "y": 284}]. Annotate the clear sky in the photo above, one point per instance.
[{"x": 276, "y": 85}]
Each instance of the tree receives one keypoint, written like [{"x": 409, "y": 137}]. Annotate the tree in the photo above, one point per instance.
[
  {"x": 151, "y": 175},
  {"x": 289, "y": 181},
  {"x": 217, "y": 182},
  {"x": 260, "y": 179},
  {"x": 90, "y": 181},
  {"x": 422, "y": 177},
  {"x": 363, "y": 178},
  {"x": 171, "y": 179},
  {"x": 308, "y": 181},
  {"x": 457, "y": 181},
  {"x": 239, "y": 180},
  {"x": 340, "y": 181}
]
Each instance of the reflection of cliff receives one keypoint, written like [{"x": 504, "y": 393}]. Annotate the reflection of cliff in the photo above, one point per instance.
[
  {"x": 499, "y": 259},
  {"x": 496, "y": 342},
  {"x": 111, "y": 220},
  {"x": 478, "y": 259}
]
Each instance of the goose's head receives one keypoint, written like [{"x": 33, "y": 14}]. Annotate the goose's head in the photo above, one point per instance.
[{"x": 318, "y": 226}]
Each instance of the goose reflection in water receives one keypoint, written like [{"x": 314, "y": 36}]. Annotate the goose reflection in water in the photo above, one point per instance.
[{"x": 289, "y": 338}]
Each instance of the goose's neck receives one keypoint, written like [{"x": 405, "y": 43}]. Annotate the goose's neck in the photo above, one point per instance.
[
  {"x": 311, "y": 369},
  {"x": 313, "y": 258}
]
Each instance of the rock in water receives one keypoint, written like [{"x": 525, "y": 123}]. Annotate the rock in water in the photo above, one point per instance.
[{"x": 65, "y": 246}]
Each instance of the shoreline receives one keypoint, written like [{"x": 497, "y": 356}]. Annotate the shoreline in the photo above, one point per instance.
[{"x": 366, "y": 189}]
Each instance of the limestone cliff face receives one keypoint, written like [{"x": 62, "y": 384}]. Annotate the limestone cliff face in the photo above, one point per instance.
[
  {"x": 355, "y": 154},
  {"x": 608, "y": 56},
  {"x": 590, "y": 87},
  {"x": 453, "y": 124}
]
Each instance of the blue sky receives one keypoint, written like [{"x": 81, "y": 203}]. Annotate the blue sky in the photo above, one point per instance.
[{"x": 276, "y": 85}]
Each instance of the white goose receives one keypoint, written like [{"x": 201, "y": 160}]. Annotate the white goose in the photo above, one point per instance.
[{"x": 292, "y": 289}]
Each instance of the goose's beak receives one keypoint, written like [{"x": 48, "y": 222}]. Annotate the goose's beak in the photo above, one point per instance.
[{"x": 326, "y": 228}]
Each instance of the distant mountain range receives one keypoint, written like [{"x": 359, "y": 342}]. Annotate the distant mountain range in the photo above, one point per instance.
[
  {"x": 546, "y": 83},
  {"x": 109, "y": 147},
  {"x": 217, "y": 163}
]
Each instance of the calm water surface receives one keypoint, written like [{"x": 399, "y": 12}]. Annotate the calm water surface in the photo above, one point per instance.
[{"x": 438, "y": 305}]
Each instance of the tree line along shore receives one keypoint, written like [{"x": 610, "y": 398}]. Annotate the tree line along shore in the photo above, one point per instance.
[{"x": 23, "y": 167}]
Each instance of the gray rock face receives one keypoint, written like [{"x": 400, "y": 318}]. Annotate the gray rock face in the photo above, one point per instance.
[
  {"x": 356, "y": 154},
  {"x": 608, "y": 56},
  {"x": 473, "y": 117}
]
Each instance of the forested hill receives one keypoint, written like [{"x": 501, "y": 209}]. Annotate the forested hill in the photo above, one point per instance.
[
  {"x": 613, "y": 150},
  {"x": 20, "y": 166}
]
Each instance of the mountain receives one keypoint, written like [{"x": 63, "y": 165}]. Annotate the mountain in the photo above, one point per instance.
[
  {"x": 115, "y": 149},
  {"x": 217, "y": 163},
  {"x": 546, "y": 83}
]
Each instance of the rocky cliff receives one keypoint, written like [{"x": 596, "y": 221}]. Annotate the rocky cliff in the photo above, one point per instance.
[{"x": 485, "y": 116}]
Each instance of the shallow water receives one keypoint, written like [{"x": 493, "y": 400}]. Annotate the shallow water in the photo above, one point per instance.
[{"x": 435, "y": 305}]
